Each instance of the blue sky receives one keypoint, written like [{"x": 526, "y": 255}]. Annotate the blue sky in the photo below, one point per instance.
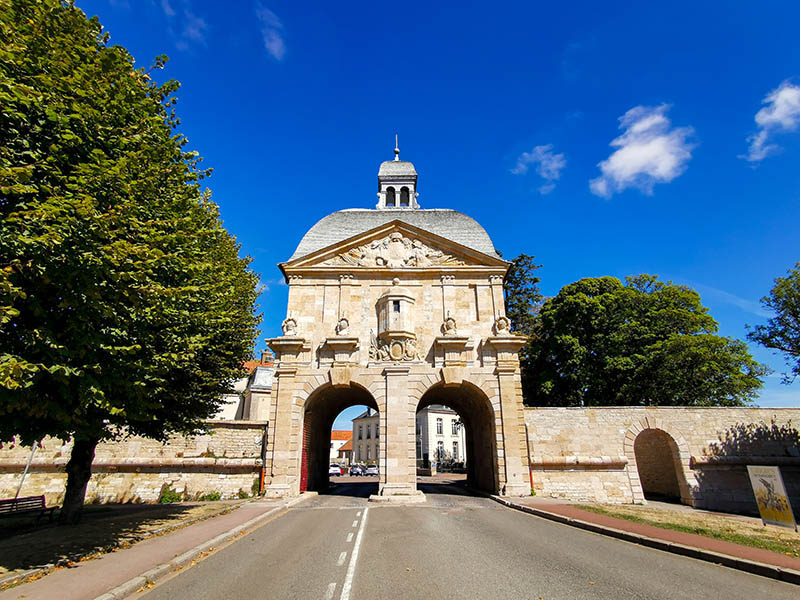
[{"x": 603, "y": 138}]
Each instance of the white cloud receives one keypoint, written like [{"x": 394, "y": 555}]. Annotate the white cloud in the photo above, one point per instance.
[
  {"x": 649, "y": 151},
  {"x": 167, "y": 8},
  {"x": 271, "y": 32},
  {"x": 548, "y": 165},
  {"x": 193, "y": 27},
  {"x": 781, "y": 113}
]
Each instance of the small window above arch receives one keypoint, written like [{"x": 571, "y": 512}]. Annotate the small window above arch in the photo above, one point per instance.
[{"x": 390, "y": 197}]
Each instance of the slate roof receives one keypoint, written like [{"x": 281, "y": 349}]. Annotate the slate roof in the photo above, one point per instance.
[
  {"x": 396, "y": 168},
  {"x": 449, "y": 224}
]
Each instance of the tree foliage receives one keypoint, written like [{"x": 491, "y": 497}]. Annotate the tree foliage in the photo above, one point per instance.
[
  {"x": 782, "y": 332},
  {"x": 124, "y": 305},
  {"x": 602, "y": 343},
  {"x": 523, "y": 299}
]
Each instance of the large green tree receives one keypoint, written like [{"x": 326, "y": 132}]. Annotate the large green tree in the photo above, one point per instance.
[
  {"x": 602, "y": 343},
  {"x": 782, "y": 332},
  {"x": 523, "y": 299},
  {"x": 125, "y": 308}
]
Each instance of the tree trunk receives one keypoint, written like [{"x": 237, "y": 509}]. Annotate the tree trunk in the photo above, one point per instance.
[{"x": 79, "y": 471}]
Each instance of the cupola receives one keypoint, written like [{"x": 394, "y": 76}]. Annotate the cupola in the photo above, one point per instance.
[{"x": 397, "y": 183}]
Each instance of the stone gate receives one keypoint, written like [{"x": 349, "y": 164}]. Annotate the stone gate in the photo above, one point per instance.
[{"x": 396, "y": 308}]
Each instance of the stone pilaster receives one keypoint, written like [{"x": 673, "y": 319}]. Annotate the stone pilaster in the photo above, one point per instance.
[
  {"x": 397, "y": 466},
  {"x": 517, "y": 479}
]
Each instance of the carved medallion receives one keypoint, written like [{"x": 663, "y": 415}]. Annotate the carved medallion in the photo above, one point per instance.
[{"x": 394, "y": 251}]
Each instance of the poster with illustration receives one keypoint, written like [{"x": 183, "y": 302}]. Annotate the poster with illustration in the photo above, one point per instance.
[{"x": 771, "y": 497}]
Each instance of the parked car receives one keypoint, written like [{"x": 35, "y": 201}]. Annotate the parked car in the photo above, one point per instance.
[
  {"x": 334, "y": 470},
  {"x": 357, "y": 470},
  {"x": 372, "y": 470}
]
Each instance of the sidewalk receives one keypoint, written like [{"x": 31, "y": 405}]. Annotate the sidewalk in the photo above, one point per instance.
[
  {"x": 94, "y": 578},
  {"x": 754, "y": 560}
]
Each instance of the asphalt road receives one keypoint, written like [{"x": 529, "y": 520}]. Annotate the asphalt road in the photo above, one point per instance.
[{"x": 453, "y": 546}]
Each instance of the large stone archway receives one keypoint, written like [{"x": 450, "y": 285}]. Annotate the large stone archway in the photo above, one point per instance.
[
  {"x": 478, "y": 418},
  {"x": 319, "y": 412}
]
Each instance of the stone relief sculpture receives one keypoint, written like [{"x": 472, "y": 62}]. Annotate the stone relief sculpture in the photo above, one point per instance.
[
  {"x": 343, "y": 326},
  {"x": 289, "y": 327},
  {"x": 394, "y": 350},
  {"x": 449, "y": 326},
  {"x": 502, "y": 326},
  {"x": 393, "y": 251}
]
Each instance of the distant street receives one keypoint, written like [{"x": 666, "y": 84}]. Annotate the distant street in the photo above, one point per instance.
[{"x": 453, "y": 546}]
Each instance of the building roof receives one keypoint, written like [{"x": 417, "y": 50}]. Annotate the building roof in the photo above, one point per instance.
[
  {"x": 397, "y": 168},
  {"x": 341, "y": 435},
  {"x": 347, "y": 446},
  {"x": 341, "y": 225},
  {"x": 369, "y": 413}
]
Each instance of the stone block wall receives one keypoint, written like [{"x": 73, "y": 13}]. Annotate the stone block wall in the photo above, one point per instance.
[
  {"x": 225, "y": 460},
  {"x": 618, "y": 454}
]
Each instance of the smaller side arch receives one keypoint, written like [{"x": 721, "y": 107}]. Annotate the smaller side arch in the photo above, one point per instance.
[{"x": 680, "y": 458}]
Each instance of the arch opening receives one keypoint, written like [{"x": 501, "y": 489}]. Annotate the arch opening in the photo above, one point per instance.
[
  {"x": 658, "y": 464},
  {"x": 456, "y": 425},
  {"x": 320, "y": 412},
  {"x": 390, "y": 196},
  {"x": 404, "y": 196}
]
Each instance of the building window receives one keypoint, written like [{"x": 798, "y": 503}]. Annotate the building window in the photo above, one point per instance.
[
  {"x": 359, "y": 454},
  {"x": 369, "y": 431},
  {"x": 404, "y": 196},
  {"x": 396, "y": 306},
  {"x": 419, "y": 429},
  {"x": 455, "y": 426},
  {"x": 367, "y": 452},
  {"x": 455, "y": 450},
  {"x": 360, "y": 431},
  {"x": 390, "y": 196},
  {"x": 439, "y": 450},
  {"x": 439, "y": 429},
  {"x": 377, "y": 430}
]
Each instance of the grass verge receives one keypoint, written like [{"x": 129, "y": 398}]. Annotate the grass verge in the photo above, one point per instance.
[{"x": 719, "y": 527}]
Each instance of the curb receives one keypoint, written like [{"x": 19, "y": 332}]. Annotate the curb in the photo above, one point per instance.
[
  {"x": 18, "y": 578},
  {"x": 742, "y": 564},
  {"x": 152, "y": 575}
]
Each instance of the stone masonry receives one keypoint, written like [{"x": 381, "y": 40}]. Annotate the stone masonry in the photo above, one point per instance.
[{"x": 591, "y": 454}]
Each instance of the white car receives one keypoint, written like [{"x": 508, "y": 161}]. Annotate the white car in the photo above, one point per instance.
[
  {"x": 372, "y": 470},
  {"x": 334, "y": 470}
]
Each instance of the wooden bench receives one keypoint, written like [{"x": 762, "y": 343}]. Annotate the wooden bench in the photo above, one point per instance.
[{"x": 29, "y": 504}]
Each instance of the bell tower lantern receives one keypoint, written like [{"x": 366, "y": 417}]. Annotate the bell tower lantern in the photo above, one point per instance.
[{"x": 397, "y": 184}]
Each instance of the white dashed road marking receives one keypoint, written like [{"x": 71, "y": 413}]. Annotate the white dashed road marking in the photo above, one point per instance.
[
  {"x": 329, "y": 592},
  {"x": 351, "y": 569},
  {"x": 349, "y": 537},
  {"x": 342, "y": 556}
]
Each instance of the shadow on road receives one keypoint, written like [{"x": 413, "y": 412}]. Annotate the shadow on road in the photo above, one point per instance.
[{"x": 353, "y": 487}]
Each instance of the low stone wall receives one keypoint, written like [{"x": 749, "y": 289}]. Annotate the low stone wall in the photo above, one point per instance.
[
  {"x": 225, "y": 460},
  {"x": 598, "y": 454}
]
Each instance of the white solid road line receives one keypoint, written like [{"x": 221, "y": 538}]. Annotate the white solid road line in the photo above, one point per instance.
[
  {"x": 351, "y": 569},
  {"x": 329, "y": 592},
  {"x": 342, "y": 556},
  {"x": 349, "y": 537}
]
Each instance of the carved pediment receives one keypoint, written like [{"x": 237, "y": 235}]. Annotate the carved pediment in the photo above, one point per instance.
[
  {"x": 396, "y": 245},
  {"x": 394, "y": 251}
]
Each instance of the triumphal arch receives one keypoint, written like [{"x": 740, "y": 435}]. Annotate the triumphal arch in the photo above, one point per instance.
[{"x": 396, "y": 308}]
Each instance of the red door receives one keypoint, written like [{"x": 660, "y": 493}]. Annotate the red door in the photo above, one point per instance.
[{"x": 306, "y": 448}]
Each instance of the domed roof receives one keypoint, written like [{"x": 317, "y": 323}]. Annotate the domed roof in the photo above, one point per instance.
[
  {"x": 449, "y": 224},
  {"x": 397, "y": 168}
]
